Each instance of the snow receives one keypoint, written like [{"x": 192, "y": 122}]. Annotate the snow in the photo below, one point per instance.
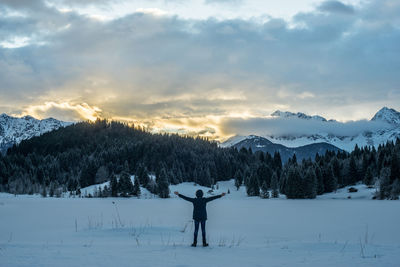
[
  {"x": 91, "y": 189},
  {"x": 144, "y": 193},
  {"x": 363, "y": 192},
  {"x": 13, "y": 130},
  {"x": 300, "y": 115},
  {"x": 233, "y": 141},
  {"x": 242, "y": 231},
  {"x": 390, "y": 117},
  {"x": 346, "y": 143}
]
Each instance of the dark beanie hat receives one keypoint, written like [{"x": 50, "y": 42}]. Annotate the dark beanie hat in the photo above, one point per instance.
[{"x": 199, "y": 193}]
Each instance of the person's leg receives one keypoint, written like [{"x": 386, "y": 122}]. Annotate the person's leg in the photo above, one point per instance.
[
  {"x": 196, "y": 231},
  {"x": 203, "y": 232}
]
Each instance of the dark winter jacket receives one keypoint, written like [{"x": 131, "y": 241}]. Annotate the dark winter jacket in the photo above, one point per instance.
[{"x": 199, "y": 206}]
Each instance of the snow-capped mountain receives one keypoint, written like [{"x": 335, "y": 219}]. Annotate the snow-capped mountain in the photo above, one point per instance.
[
  {"x": 257, "y": 143},
  {"x": 300, "y": 115},
  {"x": 383, "y": 127},
  {"x": 13, "y": 130},
  {"x": 388, "y": 115}
]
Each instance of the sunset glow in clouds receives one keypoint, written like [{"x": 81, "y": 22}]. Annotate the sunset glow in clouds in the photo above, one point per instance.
[{"x": 198, "y": 67}]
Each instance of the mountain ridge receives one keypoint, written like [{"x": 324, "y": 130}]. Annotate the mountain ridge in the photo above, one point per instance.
[
  {"x": 13, "y": 129},
  {"x": 300, "y": 115},
  {"x": 257, "y": 143},
  {"x": 388, "y": 117}
]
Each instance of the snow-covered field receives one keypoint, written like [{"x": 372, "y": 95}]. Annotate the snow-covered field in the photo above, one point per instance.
[{"x": 329, "y": 231}]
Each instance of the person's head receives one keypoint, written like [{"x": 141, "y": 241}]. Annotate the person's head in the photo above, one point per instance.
[{"x": 199, "y": 193}]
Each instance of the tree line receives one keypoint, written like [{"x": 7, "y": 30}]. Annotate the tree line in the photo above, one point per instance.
[
  {"x": 88, "y": 153},
  {"x": 377, "y": 168}
]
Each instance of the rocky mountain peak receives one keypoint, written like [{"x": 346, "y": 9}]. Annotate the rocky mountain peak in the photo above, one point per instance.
[
  {"x": 388, "y": 115},
  {"x": 13, "y": 130},
  {"x": 300, "y": 115}
]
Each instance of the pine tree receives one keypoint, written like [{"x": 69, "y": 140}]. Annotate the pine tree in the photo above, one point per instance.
[
  {"x": 293, "y": 160},
  {"x": 368, "y": 179},
  {"x": 320, "y": 180},
  {"x": 58, "y": 193},
  {"x": 294, "y": 185},
  {"x": 95, "y": 192},
  {"x": 44, "y": 191},
  {"x": 274, "y": 185},
  {"x": 72, "y": 185},
  {"x": 264, "y": 173},
  {"x": 365, "y": 164},
  {"x": 330, "y": 182},
  {"x": 353, "y": 171},
  {"x": 336, "y": 170},
  {"x": 253, "y": 188},
  {"x": 125, "y": 184},
  {"x": 264, "y": 190},
  {"x": 143, "y": 175},
  {"x": 238, "y": 179},
  {"x": 152, "y": 186},
  {"x": 106, "y": 191},
  {"x": 101, "y": 174},
  {"x": 381, "y": 158},
  {"x": 136, "y": 187},
  {"x": 88, "y": 175},
  {"x": 207, "y": 181},
  {"x": 384, "y": 183},
  {"x": 52, "y": 189},
  {"x": 162, "y": 184},
  {"x": 395, "y": 191},
  {"x": 277, "y": 161},
  {"x": 394, "y": 167},
  {"x": 126, "y": 166},
  {"x": 310, "y": 184},
  {"x": 114, "y": 186},
  {"x": 357, "y": 151}
]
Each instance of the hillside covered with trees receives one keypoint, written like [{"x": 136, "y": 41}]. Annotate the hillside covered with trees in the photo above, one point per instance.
[{"x": 88, "y": 153}]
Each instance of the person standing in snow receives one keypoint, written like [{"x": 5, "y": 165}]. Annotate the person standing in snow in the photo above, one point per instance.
[{"x": 199, "y": 213}]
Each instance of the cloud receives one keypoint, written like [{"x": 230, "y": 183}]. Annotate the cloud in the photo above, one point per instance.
[
  {"x": 152, "y": 68},
  {"x": 16, "y": 42},
  {"x": 231, "y": 2},
  {"x": 152, "y": 11},
  {"x": 87, "y": 2},
  {"x": 297, "y": 127},
  {"x": 63, "y": 111},
  {"x": 336, "y": 7},
  {"x": 305, "y": 95}
]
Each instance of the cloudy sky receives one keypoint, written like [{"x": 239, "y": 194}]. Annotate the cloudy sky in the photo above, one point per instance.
[{"x": 196, "y": 66}]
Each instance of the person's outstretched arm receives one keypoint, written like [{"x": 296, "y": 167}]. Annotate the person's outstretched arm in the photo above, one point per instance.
[
  {"x": 208, "y": 199},
  {"x": 184, "y": 197}
]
